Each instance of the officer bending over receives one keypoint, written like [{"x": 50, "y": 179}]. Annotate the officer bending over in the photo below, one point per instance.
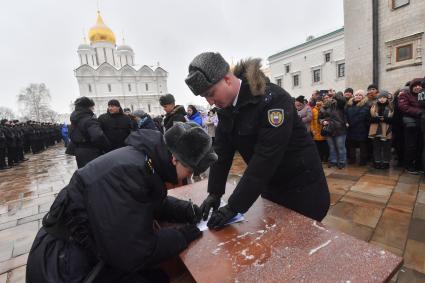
[
  {"x": 104, "y": 218},
  {"x": 259, "y": 120}
]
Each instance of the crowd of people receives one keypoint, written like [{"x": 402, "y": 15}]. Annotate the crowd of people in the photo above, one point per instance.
[
  {"x": 93, "y": 136},
  {"x": 20, "y": 138},
  {"x": 378, "y": 123}
]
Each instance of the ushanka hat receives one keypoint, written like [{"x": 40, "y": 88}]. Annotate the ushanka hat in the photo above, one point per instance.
[
  {"x": 205, "y": 70},
  {"x": 84, "y": 102},
  {"x": 191, "y": 145}
]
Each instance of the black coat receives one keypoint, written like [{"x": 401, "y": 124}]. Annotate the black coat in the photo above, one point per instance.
[
  {"x": 87, "y": 136},
  {"x": 116, "y": 127},
  {"x": 333, "y": 112},
  {"x": 358, "y": 118},
  {"x": 2, "y": 137},
  {"x": 283, "y": 163},
  {"x": 177, "y": 115},
  {"x": 109, "y": 208},
  {"x": 146, "y": 122},
  {"x": 10, "y": 136}
]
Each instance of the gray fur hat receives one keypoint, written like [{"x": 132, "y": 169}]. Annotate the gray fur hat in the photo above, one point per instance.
[
  {"x": 191, "y": 145},
  {"x": 205, "y": 70}
]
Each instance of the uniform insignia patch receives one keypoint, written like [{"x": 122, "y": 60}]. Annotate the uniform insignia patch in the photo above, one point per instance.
[{"x": 276, "y": 117}]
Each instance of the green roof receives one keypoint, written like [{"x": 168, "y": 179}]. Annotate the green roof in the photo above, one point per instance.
[{"x": 307, "y": 43}]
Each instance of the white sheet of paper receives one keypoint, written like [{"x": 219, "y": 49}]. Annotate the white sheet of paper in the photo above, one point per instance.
[{"x": 238, "y": 218}]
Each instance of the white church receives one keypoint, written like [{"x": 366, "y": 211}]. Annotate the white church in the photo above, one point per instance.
[{"x": 108, "y": 71}]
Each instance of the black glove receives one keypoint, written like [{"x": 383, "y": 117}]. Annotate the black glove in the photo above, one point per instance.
[
  {"x": 190, "y": 232},
  {"x": 193, "y": 214},
  {"x": 220, "y": 217},
  {"x": 212, "y": 201}
]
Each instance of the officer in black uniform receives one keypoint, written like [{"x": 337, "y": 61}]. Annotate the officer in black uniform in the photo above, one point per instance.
[
  {"x": 2, "y": 147},
  {"x": 259, "y": 120}
]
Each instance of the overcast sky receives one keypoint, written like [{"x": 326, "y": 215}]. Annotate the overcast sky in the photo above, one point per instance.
[{"x": 39, "y": 38}]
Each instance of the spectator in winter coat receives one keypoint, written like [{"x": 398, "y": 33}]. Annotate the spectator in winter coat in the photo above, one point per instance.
[
  {"x": 421, "y": 100},
  {"x": 408, "y": 105},
  {"x": 65, "y": 135},
  {"x": 173, "y": 113},
  {"x": 194, "y": 115},
  {"x": 316, "y": 128},
  {"x": 210, "y": 123},
  {"x": 397, "y": 129},
  {"x": 348, "y": 93},
  {"x": 86, "y": 134},
  {"x": 357, "y": 114},
  {"x": 143, "y": 120},
  {"x": 372, "y": 94},
  {"x": 304, "y": 111},
  {"x": 333, "y": 122},
  {"x": 115, "y": 124},
  {"x": 104, "y": 220},
  {"x": 381, "y": 114}
]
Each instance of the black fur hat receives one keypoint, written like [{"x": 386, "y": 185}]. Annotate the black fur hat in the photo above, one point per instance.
[
  {"x": 205, "y": 70},
  {"x": 191, "y": 145},
  {"x": 84, "y": 102},
  {"x": 114, "y": 102},
  {"x": 167, "y": 99}
]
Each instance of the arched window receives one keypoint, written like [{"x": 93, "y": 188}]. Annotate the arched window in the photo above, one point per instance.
[{"x": 109, "y": 87}]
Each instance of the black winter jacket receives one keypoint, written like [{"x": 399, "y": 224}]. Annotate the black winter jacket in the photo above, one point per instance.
[
  {"x": 116, "y": 127},
  {"x": 177, "y": 115},
  {"x": 357, "y": 115},
  {"x": 85, "y": 130},
  {"x": 109, "y": 207},
  {"x": 265, "y": 129}
]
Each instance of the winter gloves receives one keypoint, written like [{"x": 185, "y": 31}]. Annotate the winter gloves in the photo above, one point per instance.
[
  {"x": 193, "y": 213},
  {"x": 212, "y": 201},
  {"x": 220, "y": 217}
]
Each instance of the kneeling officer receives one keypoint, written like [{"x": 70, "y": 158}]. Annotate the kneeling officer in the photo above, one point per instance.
[{"x": 102, "y": 222}]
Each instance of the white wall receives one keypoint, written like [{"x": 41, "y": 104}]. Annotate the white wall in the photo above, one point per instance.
[{"x": 307, "y": 58}]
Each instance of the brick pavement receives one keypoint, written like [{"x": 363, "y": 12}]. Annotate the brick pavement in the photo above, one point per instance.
[{"x": 385, "y": 208}]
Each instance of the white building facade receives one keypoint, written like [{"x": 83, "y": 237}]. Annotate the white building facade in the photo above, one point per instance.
[
  {"x": 317, "y": 64},
  {"x": 384, "y": 42},
  {"x": 108, "y": 71}
]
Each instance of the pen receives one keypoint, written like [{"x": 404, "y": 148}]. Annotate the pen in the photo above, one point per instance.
[{"x": 193, "y": 209}]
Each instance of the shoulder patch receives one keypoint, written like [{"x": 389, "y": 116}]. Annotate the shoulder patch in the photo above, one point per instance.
[{"x": 276, "y": 117}]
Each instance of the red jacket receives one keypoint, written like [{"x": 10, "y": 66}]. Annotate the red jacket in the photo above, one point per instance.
[{"x": 408, "y": 103}]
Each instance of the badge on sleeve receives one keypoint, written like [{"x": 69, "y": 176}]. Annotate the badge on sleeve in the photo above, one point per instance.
[{"x": 276, "y": 117}]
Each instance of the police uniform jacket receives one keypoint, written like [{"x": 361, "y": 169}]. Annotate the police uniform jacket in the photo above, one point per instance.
[
  {"x": 108, "y": 209},
  {"x": 283, "y": 163}
]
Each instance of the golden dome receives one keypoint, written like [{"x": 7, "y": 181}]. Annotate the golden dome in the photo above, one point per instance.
[{"x": 100, "y": 32}]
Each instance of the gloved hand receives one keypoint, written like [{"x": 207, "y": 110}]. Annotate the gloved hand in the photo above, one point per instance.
[
  {"x": 190, "y": 232},
  {"x": 193, "y": 214},
  {"x": 220, "y": 217},
  {"x": 212, "y": 201}
]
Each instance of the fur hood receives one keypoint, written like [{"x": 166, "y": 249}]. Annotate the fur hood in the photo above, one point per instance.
[
  {"x": 250, "y": 69},
  {"x": 361, "y": 103}
]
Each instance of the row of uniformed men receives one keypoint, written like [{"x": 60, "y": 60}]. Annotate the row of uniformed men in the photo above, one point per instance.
[{"x": 17, "y": 138}]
